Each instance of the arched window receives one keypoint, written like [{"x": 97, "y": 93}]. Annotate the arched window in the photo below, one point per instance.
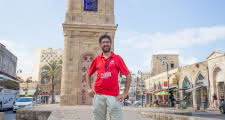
[{"x": 186, "y": 83}]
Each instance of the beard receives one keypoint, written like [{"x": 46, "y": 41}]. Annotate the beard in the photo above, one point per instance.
[{"x": 106, "y": 49}]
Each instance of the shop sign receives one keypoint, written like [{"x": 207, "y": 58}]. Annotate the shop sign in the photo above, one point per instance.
[{"x": 165, "y": 83}]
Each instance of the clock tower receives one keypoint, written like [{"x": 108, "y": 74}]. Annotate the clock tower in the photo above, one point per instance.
[{"x": 85, "y": 22}]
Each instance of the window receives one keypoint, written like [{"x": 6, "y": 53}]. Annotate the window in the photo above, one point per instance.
[
  {"x": 172, "y": 66},
  {"x": 91, "y": 5}
]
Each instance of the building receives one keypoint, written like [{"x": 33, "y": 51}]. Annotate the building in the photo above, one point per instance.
[
  {"x": 159, "y": 83},
  {"x": 28, "y": 87},
  {"x": 86, "y": 21},
  {"x": 132, "y": 90},
  {"x": 140, "y": 85},
  {"x": 158, "y": 63},
  {"x": 195, "y": 84},
  {"x": 8, "y": 62},
  {"x": 43, "y": 57}
]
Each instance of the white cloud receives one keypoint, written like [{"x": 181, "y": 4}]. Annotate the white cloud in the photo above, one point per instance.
[
  {"x": 20, "y": 50},
  {"x": 143, "y": 45},
  {"x": 180, "y": 39},
  {"x": 188, "y": 61}
]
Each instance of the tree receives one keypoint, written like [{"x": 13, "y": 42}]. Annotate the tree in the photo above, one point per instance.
[{"x": 53, "y": 71}]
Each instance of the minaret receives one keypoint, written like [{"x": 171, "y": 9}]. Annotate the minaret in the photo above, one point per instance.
[{"x": 85, "y": 22}]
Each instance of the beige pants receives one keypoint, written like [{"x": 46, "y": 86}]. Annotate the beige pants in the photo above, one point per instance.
[{"x": 105, "y": 103}]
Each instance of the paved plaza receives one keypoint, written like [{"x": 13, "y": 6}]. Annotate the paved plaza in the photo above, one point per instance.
[
  {"x": 130, "y": 113},
  {"x": 85, "y": 113}
]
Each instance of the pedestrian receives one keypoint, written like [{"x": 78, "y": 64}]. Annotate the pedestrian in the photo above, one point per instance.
[
  {"x": 157, "y": 103},
  {"x": 221, "y": 99},
  {"x": 214, "y": 100},
  {"x": 105, "y": 94}
]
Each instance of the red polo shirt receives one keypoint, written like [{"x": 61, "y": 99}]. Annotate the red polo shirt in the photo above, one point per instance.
[{"x": 109, "y": 86}]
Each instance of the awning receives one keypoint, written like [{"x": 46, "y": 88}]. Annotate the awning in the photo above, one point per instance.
[
  {"x": 162, "y": 93},
  {"x": 192, "y": 89}
]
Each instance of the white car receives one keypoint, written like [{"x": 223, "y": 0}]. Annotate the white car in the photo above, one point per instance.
[{"x": 23, "y": 102}]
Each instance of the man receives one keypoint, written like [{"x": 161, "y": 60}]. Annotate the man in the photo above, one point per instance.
[
  {"x": 106, "y": 92},
  {"x": 214, "y": 100}
]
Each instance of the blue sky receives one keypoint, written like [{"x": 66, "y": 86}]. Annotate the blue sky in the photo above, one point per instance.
[{"x": 190, "y": 28}]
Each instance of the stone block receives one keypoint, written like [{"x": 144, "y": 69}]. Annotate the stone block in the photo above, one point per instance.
[
  {"x": 32, "y": 115},
  {"x": 1, "y": 115}
]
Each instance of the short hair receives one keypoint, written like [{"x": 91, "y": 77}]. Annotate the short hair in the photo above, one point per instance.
[{"x": 105, "y": 36}]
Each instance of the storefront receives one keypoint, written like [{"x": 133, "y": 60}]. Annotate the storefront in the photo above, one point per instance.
[
  {"x": 219, "y": 79},
  {"x": 44, "y": 97},
  {"x": 187, "y": 92},
  {"x": 202, "y": 88}
]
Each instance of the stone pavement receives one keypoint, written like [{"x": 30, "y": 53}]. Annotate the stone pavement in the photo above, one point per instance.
[
  {"x": 85, "y": 112},
  {"x": 130, "y": 113}
]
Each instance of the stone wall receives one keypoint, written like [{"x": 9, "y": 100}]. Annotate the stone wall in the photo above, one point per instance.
[
  {"x": 157, "y": 66},
  {"x": 32, "y": 115}
]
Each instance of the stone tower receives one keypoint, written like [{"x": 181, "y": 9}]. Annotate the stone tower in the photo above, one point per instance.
[
  {"x": 85, "y": 22},
  {"x": 157, "y": 65}
]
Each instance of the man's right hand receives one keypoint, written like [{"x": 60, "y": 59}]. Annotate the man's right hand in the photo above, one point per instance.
[{"x": 91, "y": 92}]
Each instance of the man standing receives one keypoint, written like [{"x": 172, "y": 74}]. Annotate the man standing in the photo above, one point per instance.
[{"x": 106, "y": 91}]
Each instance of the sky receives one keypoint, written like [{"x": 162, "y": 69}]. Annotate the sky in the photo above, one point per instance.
[{"x": 191, "y": 28}]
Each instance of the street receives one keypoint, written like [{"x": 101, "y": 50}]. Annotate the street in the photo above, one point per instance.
[{"x": 215, "y": 115}]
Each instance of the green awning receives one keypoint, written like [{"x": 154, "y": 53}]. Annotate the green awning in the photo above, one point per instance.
[{"x": 162, "y": 93}]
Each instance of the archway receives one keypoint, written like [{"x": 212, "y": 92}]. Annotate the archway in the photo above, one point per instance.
[
  {"x": 187, "y": 95},
  {"x": 202, "y": 91},
  {"x": 218, "y": 82}
]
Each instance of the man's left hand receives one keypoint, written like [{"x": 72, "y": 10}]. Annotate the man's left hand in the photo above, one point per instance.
[{"x": 122, "y": 97}]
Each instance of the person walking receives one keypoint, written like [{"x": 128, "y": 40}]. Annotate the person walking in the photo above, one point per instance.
[
  {"x": 214, "y": 101},
  {"x": 105, "y": 94}
]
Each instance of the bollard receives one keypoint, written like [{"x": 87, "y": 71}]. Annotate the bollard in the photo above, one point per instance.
[{"x": 1, "y": 115}]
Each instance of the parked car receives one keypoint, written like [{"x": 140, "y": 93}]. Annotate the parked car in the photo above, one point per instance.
[
  {"x": 222, "y": 107},
  {"x": 23, "y": 102}
]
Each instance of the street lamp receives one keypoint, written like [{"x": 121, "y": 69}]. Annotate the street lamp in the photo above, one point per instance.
[{"x": 164, "y": 61}]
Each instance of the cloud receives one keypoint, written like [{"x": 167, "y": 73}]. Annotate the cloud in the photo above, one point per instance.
[
  {"x": 179, "y": 39},
  {"x": 21, "y": 51},
  {"x": 188, "y": 61},
  {"x": 143, "y": 45}
]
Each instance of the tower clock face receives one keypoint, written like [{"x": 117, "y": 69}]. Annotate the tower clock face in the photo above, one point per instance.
[{"x": 90, "y": 5}]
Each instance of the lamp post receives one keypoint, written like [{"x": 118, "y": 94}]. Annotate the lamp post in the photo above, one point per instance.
[{"x": 167, "y": 75}]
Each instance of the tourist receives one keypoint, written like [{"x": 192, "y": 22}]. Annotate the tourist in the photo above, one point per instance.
[
  {"x": 214, "y": 100},
  {"x": 106, "y": 92},
  {"x": 221, "y": 99}
]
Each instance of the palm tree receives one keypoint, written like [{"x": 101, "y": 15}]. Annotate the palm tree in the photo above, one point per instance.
[{"x": 53, "y": 70}]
